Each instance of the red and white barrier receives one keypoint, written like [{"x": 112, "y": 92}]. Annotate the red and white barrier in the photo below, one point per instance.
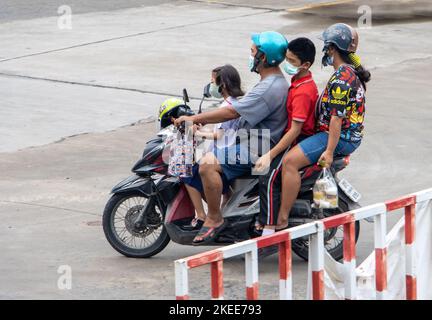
[
  {"x": 380, "y": 231},
  {"x": 315, "y": 231},
  {"x": 408, "y": 203},
  {"x": 400, "y": 268}
]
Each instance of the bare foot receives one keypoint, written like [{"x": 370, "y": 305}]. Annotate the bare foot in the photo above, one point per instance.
[{"x": 212, "y": 224}]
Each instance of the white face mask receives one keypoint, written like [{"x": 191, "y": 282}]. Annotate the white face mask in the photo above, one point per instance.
[
  {"x": 251, "y": 62},
  {"x": 290, "y": 69},
  {"x": 214, "y": 91}
]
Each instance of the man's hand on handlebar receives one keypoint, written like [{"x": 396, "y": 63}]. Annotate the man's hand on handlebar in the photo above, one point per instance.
[{"x": 178, "y": 122}]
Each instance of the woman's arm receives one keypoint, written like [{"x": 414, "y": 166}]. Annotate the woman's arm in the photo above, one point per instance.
[{"x": 333, "y": 140}]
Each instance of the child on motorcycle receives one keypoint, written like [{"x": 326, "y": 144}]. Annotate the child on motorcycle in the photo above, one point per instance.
[
  {"x": 302, "y": 97},
  {"x": 341, "y": 110},
  {"x": 225, "y": 83}
]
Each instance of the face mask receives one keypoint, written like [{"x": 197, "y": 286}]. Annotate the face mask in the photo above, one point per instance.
[
  {"x": 214, "y": 91},
  {"x": 327, "y": 60},
  {"x": 290, "y": 69},
  {"x": 251, "y": 62}
]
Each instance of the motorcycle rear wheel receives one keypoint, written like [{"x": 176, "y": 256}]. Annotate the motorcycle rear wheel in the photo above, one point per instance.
[{"x": 301, "y": 246}]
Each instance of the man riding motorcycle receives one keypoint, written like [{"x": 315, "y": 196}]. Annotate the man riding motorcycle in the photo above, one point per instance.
[
  {"x": 151, "y": 207},
  {"x": 263, "y": 108}
]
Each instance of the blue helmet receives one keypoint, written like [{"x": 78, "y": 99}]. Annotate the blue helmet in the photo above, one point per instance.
[
  {"x": 273, "y": 45},
  {"x": 342, "y": 36}
]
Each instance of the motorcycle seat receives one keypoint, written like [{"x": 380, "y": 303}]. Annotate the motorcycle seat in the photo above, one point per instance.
[
  {"x": 245, "y": 177},
  {"x": 338, "y": 162}
]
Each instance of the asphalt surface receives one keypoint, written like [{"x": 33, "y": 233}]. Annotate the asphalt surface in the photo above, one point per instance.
[{"x": 69, "y": 98}]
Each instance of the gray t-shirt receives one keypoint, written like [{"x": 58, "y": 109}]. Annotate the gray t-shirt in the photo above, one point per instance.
[{"x": 264, "y": 107}]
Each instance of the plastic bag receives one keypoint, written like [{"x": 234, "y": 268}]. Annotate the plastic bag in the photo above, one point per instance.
[
  {"x": 325, "y": 191},
  {"x": 181, "y": 155}
]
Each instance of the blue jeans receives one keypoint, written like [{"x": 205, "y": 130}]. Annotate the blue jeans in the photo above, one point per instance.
[{"x": 314, "y": 146}]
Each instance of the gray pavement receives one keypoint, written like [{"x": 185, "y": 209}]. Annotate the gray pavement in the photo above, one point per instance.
[
  {"x": 12, "y": 10},
  {"x": 112, "y": 69}
]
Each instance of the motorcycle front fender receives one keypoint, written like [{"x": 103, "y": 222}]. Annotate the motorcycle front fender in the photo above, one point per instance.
[{"x": 143, "y": 185}]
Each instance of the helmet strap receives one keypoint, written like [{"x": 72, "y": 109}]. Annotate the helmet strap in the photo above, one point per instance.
[{"x": 257, "y": 61}]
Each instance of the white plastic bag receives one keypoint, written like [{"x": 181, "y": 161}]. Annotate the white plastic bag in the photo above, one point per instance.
[
  {"x": 181, "y": 155},
  {"x": 325, "y": 191}
]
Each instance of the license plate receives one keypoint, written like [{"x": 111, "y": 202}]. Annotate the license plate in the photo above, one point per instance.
[{"x": 349, "y": 190}]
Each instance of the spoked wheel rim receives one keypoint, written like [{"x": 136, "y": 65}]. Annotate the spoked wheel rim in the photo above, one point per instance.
[
  {"x": 333, "y": 238},
  {"x": 126, "y": 228}
]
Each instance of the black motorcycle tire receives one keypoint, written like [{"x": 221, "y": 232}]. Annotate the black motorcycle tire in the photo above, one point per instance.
[
  {"x": 148, "y": 252},
  {"x": 337, "y": 252}
]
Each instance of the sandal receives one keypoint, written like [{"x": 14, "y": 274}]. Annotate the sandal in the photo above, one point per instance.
[
  {"x": 196, "y": 224},
  {"x": 208, "y": 234},
  {"x": 280, "y": 229},
  {"x": 257, "y": 230}
]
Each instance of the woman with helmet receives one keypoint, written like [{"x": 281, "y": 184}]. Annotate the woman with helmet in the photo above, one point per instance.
[
  {"x": 225, "y": 83},
  {"x": 340, "y": 114}
]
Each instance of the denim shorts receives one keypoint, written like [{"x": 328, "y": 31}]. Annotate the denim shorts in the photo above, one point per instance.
[
  {"x": 234, "y": 161},
  {"x": 314, "y": 146},
  {"x": 196, "y": 182}
]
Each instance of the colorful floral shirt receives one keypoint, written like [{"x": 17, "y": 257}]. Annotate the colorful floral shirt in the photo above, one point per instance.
[{"x": 344, "y": 97}]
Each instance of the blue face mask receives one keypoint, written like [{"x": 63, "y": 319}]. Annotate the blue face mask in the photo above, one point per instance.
[
  {"x": 290, "y": 69},
  {"x": 214, "y": 91}
]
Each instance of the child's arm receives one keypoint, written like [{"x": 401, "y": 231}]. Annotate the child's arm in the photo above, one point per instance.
[
  {"x": 218, "y": 134},
  {"x": 288, "y": 138},
  {"x": 206, "y": 135}
]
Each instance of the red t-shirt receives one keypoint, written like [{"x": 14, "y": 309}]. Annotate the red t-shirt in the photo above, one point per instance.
[{"x": 302, "y": 98}]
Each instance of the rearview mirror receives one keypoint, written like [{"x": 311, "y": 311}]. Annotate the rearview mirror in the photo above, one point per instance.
[
  {"x": 185, "y": 96},
  {"x": 206, "y": 92}
]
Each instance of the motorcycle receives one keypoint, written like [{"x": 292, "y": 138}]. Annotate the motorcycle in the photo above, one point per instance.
[{"x": 150, "y": 208}]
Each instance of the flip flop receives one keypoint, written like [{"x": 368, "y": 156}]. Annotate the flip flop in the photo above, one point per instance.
[
  {"x": 208, "y": 234},
  {"x": 196, "y": 224},
  {"x": 257, "y": 230},
  {"x": 276, "y": 229}
]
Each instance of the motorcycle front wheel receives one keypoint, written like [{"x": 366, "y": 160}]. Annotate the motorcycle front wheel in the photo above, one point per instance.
[{"x": 133, "y": 225}]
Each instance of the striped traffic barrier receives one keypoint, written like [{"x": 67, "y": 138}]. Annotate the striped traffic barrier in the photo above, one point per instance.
[
  {"x": 315, "y": 231},
  {"x": 249, "y": 248}
]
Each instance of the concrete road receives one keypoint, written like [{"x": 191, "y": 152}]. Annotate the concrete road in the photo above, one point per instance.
[
  {"x": 70, "y": 97},
  {"x": 12, "y": 10}
]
